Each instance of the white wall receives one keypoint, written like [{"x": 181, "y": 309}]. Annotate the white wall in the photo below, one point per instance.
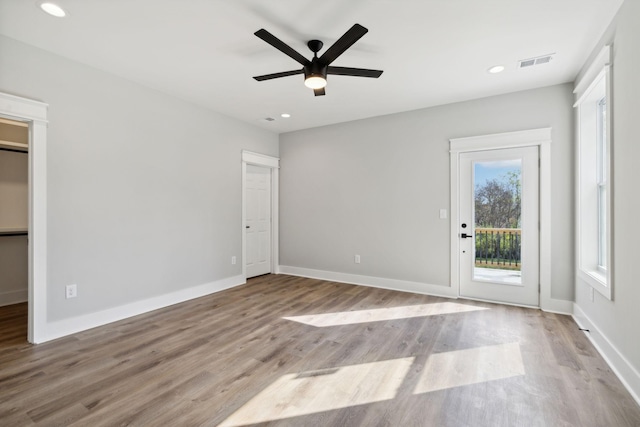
[
  {"x": 614, "y": 324},
  {"x": 144, "y": 190},
  {"x": 375, "y": 187}
]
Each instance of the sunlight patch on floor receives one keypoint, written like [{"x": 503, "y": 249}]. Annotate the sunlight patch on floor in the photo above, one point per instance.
[
  {"x": 471, "y": 366},
  {"x": 380, "y": 314},
  {"x": 309, "y": 392}
]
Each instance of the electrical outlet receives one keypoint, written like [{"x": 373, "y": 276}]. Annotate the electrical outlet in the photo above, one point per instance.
[
  {"x": 71, "y": 291},
  {"x": 356, "y": 259},
  {"x": 443, "y": 214},
  {"x": 233, "y": 260}
]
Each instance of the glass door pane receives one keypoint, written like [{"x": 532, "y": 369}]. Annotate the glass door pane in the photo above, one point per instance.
[{"x": 497, "y": 201}]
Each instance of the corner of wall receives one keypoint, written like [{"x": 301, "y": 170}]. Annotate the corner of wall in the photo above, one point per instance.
[
  {"x": 619, "y": 364},
  {"x": 558, "y": 306}
]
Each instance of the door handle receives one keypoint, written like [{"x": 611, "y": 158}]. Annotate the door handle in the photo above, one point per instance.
[{"x": 465, "y": 235}]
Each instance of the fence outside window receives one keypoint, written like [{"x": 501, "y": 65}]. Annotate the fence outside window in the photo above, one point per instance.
[{"x": 498, "y": 248}]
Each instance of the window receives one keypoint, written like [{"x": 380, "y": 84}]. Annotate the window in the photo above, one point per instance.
[{"x": 594, "y": 175}]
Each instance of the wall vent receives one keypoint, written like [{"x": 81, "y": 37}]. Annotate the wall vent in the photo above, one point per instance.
[{"x": 530, "y": 62}]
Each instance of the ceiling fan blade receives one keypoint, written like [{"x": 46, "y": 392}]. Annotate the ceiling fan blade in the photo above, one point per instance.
[
  {"x": 278, "y": 75},
  {"x": 281, "y": 46},
  {"x": 343, "y": 43},
  {"x": 319, "y": 92},
  {"x": 358, "y": 72}
]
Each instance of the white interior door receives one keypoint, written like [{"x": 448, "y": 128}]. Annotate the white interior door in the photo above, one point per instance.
[
  {"x": 498, "y": 230},
  {"x": 258, "y": 220}
]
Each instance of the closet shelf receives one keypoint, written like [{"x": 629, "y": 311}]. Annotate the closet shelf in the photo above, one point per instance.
[
  {"x": 15, "y": 231},
  {"x": 14, "y": 146}
]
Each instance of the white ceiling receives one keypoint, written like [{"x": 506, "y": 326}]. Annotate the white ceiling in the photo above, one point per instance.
[{"x": 432, "y": 52}]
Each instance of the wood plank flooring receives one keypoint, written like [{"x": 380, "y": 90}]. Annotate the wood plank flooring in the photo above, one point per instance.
[{"x": 288, "y": 351}]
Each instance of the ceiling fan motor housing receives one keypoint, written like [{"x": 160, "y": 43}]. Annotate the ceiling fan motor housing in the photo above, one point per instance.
[{"x": 315, "y": 69}]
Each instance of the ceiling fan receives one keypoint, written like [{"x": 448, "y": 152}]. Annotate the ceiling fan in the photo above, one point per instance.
[{"x": 316, "y": 70}]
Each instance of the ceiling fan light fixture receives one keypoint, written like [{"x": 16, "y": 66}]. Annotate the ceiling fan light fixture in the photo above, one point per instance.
[{"x": 315, "y": 82}]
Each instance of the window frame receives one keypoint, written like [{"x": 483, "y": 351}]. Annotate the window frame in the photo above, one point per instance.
[{"x": 594, "y": 220}]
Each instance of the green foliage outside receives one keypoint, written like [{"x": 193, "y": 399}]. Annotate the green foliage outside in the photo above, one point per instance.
[{"x": 497, "y": 202}]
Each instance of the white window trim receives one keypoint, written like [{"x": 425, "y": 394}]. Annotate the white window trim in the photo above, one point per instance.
[{"x": 600, "y": 279}]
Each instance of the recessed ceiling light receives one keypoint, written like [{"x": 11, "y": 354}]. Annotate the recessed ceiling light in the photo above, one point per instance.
[
  {"x": 285, "y": 115},
  {"x": 496, "y": 69},
  {"x": 53, "y": 9}
]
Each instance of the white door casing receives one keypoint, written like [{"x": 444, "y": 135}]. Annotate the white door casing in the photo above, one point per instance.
[
  {"x": 535, "y": 137},
  {"x": 271, "y": 164},
  {"x": 258, "y": 220},
  {"x": 501, "y": 285},
  {"x": 34, "y": 113}
]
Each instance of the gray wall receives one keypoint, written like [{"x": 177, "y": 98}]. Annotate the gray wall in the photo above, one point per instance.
[
  {"x": 374, "y": 187},
  {"x": 144, "y": 190},
  {"x": 618, "y": 320}
]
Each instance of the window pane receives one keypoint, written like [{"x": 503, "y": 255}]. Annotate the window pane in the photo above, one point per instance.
[
  {"x": 602, "y": 140},
  {"x": 602, "y": 226},
  {"x": 601, "y": 159}
]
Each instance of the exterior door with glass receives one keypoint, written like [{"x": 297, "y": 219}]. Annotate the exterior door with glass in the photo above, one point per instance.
[{"x": 498, "y": 230}]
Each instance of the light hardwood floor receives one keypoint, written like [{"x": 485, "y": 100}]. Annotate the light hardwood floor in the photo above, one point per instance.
[{"x": 289, "y": 351}]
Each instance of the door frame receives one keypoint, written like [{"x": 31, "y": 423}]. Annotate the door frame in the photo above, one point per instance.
[
  {"x": 35, "y": 114},
  {"x": 273, "y": 163},
  {"x": 527, "y": 138}
]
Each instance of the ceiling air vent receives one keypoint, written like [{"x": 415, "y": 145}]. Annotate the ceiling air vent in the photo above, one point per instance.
[
  {"x": 269, "y": 119},
  {"x": 530, "y": 62},
  {"x": 527, "y": 63}
]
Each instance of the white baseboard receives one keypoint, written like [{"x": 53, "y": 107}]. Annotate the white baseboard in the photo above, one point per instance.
[
  {"x": 374, "y": 282},
  {"x": 13, "y": 297},
  {"x": 627, "y": 374},
  {"x": 73, "y": 325},
  {"x": 558, "y": 306},
  {"x": 550, "y": 305}
]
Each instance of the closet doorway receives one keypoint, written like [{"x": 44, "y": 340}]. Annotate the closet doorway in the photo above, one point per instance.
[{"x": 14, "y": 222}]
